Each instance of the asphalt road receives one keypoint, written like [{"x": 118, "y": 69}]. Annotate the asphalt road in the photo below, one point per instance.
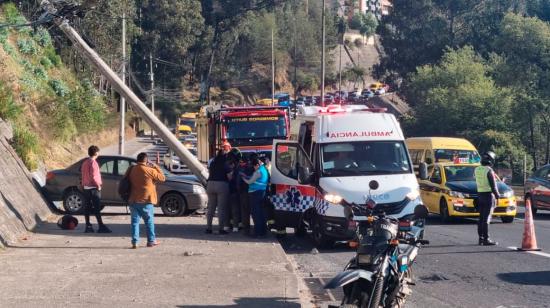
[{"x": 453, "y": 271}]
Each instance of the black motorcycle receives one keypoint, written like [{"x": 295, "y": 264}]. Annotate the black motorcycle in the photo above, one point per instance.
[{"x": 380, "y": 273}]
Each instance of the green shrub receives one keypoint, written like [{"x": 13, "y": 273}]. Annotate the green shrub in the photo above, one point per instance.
[
  {"x": 3, "y": 35},
  {"x": 46, "y": 63},
  {"x": 25, "y": 143},
  {"x": 9, "y": 109},
  {"x": 8, "y": 48},
  {"x": 42, "y": 36},
  {"x": 26, "y": 64},
  {"x": 40, "y": 72},
  {"x": 61, "y": 124},
  {"x": 11, "y": 12},
  {"x": 27, "y": 46},
  {"x": 29, "y": 82},
  {"x": 87, "y": 109},
  {"x": 59, "y": 87},
  {"x": 52, "y": 56}
]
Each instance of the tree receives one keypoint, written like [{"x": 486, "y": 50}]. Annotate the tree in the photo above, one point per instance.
[
  {"x": 369, "y": 23},
  {"x": 524, "y": 43},
  {"x": 169, "y": 29},
  {"x": 418, "y": 32}
]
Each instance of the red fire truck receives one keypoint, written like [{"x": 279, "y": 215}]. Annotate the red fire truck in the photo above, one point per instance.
[{"x": 251, "y": 129}]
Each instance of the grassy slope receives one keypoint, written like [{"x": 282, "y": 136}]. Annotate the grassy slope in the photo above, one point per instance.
[{"x": 55, "y": 116}]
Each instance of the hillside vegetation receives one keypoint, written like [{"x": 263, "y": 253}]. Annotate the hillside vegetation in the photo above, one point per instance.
[{"x": 51, "y": 110}]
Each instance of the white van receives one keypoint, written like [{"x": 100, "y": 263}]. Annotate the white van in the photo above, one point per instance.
[{"x": 338, "y": 152}]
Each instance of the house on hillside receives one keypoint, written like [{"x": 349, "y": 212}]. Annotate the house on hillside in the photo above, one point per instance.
[{"x": 378, "y": 7}]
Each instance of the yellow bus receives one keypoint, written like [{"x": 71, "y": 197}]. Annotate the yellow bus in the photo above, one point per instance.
[
  {"x": 441, "y": 149},
  {"x": 186, "y": 123}
]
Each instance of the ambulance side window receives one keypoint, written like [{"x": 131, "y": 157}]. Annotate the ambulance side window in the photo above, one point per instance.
[
  {"x": 285, "y": 160},
  {"x": 289, "y": 159}
]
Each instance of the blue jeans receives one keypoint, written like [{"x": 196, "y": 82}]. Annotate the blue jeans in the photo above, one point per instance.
[
  {"x": 256, "y": 199},
  {"x": 147, "y": 212}
]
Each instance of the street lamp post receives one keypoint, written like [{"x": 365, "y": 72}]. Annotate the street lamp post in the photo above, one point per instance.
[{"x": 323, "y": 58}]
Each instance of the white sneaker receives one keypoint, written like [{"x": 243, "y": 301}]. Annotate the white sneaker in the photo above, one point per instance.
[{"x": 235, "y": 229}]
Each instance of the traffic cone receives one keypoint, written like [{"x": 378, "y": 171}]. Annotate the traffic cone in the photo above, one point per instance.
[{"x": 529, "y": 242}]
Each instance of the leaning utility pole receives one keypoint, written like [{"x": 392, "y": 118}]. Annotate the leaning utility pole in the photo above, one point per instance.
[
  {"x": 122, "y": 99},
  {"x": 323, "y": 59},
  {"x": 167, "y": 136},
  {"x": 152, "y": 78}
]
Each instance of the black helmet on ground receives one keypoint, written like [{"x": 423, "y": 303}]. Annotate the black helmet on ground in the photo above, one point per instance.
[{"x": 488, "y": 158}]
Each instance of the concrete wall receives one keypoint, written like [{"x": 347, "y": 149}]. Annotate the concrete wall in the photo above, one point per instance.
[{"x": 22, "y": 206}]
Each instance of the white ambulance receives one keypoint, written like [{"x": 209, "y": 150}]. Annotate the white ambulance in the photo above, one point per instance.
[{"x": 340, "y": 150}]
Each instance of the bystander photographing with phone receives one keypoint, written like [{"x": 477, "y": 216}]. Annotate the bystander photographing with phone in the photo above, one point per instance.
[{"x": 143, "y": 197}]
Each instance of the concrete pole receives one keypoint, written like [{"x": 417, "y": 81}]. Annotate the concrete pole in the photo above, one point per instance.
[
  {"x": 272, "y": 67},
  {"x": 323, "y": 59},
  {"x": 152, "y": 78},
  {"x": 340, "y": 75},
  {"x": 121, "y": 132},
  {"x": 189, "y": 159}
]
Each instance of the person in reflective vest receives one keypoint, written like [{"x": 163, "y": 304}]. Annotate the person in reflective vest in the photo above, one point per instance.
[
  {"x": 257, "y": 185},
  {"x": 488, "y": 195}
]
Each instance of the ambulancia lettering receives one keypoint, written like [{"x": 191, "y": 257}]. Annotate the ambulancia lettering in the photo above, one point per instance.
[{"x": 360, "y": 134}]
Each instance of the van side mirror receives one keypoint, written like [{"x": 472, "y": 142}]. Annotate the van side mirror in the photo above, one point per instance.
[
  {"x": 423, "y": 171},
  {"x": 305, "y": 176}
]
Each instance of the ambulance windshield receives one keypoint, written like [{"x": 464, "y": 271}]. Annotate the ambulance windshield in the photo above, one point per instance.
[
  {"x": 364, "y": 158},
  {"x": 253, "y": 127}
]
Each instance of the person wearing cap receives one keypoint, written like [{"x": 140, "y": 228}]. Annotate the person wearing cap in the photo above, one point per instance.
[
  {"x": 487, "y": 196},
  {"x": 217, "y": 188}
]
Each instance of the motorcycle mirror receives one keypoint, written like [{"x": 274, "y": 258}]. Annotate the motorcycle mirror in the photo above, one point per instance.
[
  {"x": 420, "y": 212},
  {"x": 374, "y": 185}
]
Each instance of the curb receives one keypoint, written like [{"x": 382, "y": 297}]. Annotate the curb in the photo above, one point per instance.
[{"x": 304, "y": 294}]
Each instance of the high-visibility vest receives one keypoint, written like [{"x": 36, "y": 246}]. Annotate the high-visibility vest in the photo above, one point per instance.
[
  {"x": 261, "y": 182},
  {"x": 482, "y": 180}
]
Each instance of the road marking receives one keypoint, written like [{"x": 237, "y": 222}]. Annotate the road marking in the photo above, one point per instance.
[
  {"x": 332, "y": 298},
  {"x": 538, "y": 253}
]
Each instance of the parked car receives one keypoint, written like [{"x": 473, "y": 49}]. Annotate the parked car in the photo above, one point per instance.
[
  {"x": 177, "y": 195},
  {"x": 329, "y": 99},
  {"x": 366, "y": 93},
  {"x": 173, "y": 163},
  {"x": 353, "y": 97},
  {"x": 537, "y": 189}
]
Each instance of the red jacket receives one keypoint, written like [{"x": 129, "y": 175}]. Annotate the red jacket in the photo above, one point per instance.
[{"x": 91, "y": 177}]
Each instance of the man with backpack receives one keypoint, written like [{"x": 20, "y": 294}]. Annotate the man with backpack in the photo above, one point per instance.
[{"x": 143, "y": 197}]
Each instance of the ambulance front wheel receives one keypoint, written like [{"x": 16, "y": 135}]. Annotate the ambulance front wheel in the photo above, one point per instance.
[
  {"x": 301, "y": 230},
  {"x": 319, "y": 237}
]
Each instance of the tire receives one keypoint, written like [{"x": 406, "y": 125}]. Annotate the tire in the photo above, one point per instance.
[
  {"x": 507, "y": 219},
  {"x": 534, "y": 208},
  {"x": 173, "y": 204},
  {"x": 301, "y": 230},
  {"x": 320, "y": 239},
  {"x": 444, "y": 211},
  {"x": 73, "y": 202}
]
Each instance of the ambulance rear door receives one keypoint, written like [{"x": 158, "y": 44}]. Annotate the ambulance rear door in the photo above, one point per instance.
[{"x": 292, "y": 192}]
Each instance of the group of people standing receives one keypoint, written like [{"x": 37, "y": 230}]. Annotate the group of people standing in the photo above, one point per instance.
[{"x": 237, "y": 188}]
